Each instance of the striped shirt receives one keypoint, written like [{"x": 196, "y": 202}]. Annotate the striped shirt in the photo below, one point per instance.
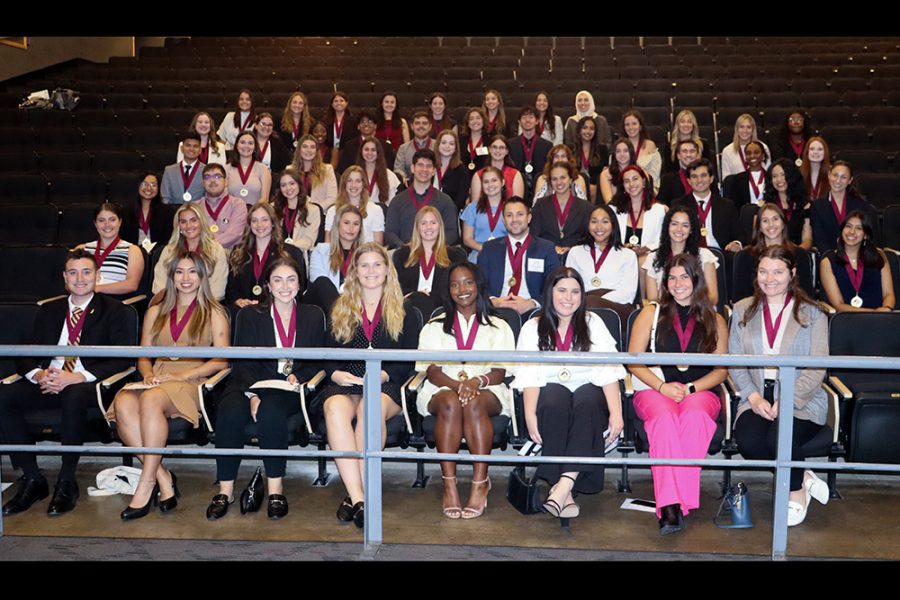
[{"x": 115, "y": 267}]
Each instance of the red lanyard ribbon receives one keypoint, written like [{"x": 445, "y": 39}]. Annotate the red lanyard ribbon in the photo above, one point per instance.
[
  {"x": 772, "y": 330},
  {"x": 755, "y": 184},
  {"x": 101, "y": 256},
  {"x": 598, "y": 262},
  {"x": 515, "y": 262},
  {"x": 684, "y": 333},
  {"x": 457, "y": 332},
  {"x": 287, "y": 339},
  {"x": 415, "y": 201},
  {"x": 562, "y": 214},
  {"x": 75, "y": 332},
  {"x": 856, "y": 275},
  {"x": 565, "y": 344},
  {"x": 493, "y": 218},
  {"x": 259, "y": 263},
  {"x": 370, "y": 325},
  {"x": 176, "y": 326},
  {"x": 187, "y": 180},
  {"x": 427, "y": 267},
  {"x": 245, "y": 176},
  {"x": 214, "y": 214},
  {"x": 841, "y": 213}
]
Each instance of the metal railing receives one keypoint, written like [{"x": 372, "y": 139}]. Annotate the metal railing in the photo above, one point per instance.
[{"x": 372, "y": 454}]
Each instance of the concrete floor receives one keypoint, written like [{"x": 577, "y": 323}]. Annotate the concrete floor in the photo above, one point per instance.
[{"x": 854, "y": 527}]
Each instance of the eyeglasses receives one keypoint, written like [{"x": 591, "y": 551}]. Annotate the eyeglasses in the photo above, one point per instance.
[
  {"x": 795, "y": 120},
  {"x": 213, "y": 177},
  {"x": 148, "y": 184},
  {"x": 266, "y": 124}
]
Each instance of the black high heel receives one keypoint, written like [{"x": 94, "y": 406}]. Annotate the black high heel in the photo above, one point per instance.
[
  {"x": 130, "y": 513},
  {"x": 171, "y": 502}
]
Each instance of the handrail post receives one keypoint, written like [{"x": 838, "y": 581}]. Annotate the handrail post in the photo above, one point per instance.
[
  {"x": 787, "y": 378},
  {"x": 372, "y": 411},
  {"x": 1, "y": 512}
]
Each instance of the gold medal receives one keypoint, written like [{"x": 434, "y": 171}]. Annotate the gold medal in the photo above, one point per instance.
[
  {"x": 257, "y": 290},
  {"x": 471, "y": 166},
  {"x": 703, "y": 231},
  {"x": 799, "y": 162},
  {"x": 634, "y": 240},
  {"x": 529, "y": 168},
  {"x": 288, "y": 240},
  {"x": 462, "y": 375},
  {"x": 214, "y": 228},
  {"x": 595, "y": 281},
  {"x": 565, "y": 374},
  {"x": 174, "y": 358},
  {"x": 561, "y": 235},
  {"x": 288, "y": 367},
  {"x": 683, "y": 368},
  {"x": 856, "y": 302},
  {"x": 512, "y": 282}
]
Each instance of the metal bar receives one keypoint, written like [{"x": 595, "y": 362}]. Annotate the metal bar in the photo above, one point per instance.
[
  {"x": 787, "y": 377},
  {"x": 1, "y": 512},
  {"x": 203, "y": 452},
  {"x": 374, "y": 422},
  {"x": 508, "y": 357}
]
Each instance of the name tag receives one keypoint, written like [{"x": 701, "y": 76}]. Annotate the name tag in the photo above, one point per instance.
[
  {"x": 481, "y": 151},
  {"x": 536, "y": 265}
]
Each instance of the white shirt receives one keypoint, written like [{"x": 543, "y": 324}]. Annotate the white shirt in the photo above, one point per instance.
[
  {"x": 651, "y": 229},
  {"x": 760, "y": 185},
  {"x": 710, "y": 238},
  {"x": 772, "y": 373},
  {"x": 373, "y": 222},
  {"x": 508, "y": 271},
  {"x": 59, "y": 361},
  {"x": 619, "y": 272},
  {"x": 539, "y": 375},
  {"x": 426, "y": 283}
]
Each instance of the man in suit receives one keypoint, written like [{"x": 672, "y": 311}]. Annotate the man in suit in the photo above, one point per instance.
[
  {"x": 528, "y": 151},
  {"x": 81, "y": 318},
  {"x": 402, "y": 209},
  {"x": 227, "y": 214},
  {"x": 675, "y": 185},
  {"x": 182, "y": 181},
  {"x": 719, "y": 223},
  {"x": 366, "y": 126},
  {"x": 516, "y": 265}
]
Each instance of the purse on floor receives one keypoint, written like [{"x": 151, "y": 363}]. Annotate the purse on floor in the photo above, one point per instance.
[
  {"x": 734, "y": 512},
  {"x": 521, "y": 491},
  {"x": 252, "y": 497}
]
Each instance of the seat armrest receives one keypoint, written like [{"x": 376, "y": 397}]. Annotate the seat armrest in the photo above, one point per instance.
[
  {"x": 134, "y": 299},
  {"x": 216, "y": 379},
  {"x": 834, "y": 410},
  {"x": 11, "y": 379},
  {"x": 839, "y": 387},
  {"x": 304, "y": 408}
]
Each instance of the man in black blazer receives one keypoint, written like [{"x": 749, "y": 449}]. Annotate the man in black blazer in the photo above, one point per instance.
[
  {"x": 677, "y": 184},
  {"x": 365, "y": 124},
  {"x": 519, "y": 289},
  {"x": 83, "y": 318},
  {"x": 529, "y": 151},
  {"x": 721, "y": 223}
]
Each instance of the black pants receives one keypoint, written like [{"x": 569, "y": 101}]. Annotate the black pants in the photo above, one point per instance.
[
  {"x": 572, "y": 424},
  {"x": 74, "y": 400},
  {"x": 758, "y": 440},
  {"x": 272, "y": 432}
]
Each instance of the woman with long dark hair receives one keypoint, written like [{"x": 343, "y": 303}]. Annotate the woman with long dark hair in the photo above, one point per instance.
[
  {"x": 815, "y": 167},
  {"x": 339, "y": 121},
  {"x": 828, "y": 213},
  {"x": 784, "y": 188},
  {"x": 439, "y": 113},
  {"x": 796, "y": 129},
  {"x": 450, "y": 175},
  {"x": 638, "y": 215},
  {"x": 780, "y": 319},
  {"x": 148, "y": 220},
  {"x": 560, "y": 217},
  {"x": 474, "y": 140},
  {"x": 572, "y": 410},
  {"x": 120, "y": 264},
  {"x": 390, "y": 127},
  {"x": 297, "y": 219},
  {"x": 319, "y": 180},
  {"x": 856, "y": 276},
  {"x": 463, "y": 396},
  {"x": 591, "y": 154},
  {"x": 611, "y": 177},
  {"x": 248, "y": 178},
  {"x": 496, "y": 123},
  {"x": 646, "y": 154},
  {"x": 243, "y": 118},
  {"x": 483, "y": 219},
  {"x": 680, "y": 234},
  {"x": 549, "y": 124},
  {"x": 278, "y": 321},
  {"x": 382, "y": 183},
  {"x": 272, "y": 152}
]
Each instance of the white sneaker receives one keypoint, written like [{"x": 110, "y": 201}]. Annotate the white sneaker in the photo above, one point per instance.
[
  {"x": 796, "y": 513},
  {"x": 817, "y": 488}
]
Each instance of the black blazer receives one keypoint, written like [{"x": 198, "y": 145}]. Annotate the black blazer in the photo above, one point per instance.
[
  {"x": 466, "y": 158},
  {"x": 281, "y": 156},
  {"x": 257, "y": 329},
  {"x": 348, "y": 132},
  {"x": 726, "y": 225},
  {"x": 106, "y": 324},
  {"x": 409, "y": 276},
  {"x": 409, "y": 340},
  {"x": 240, "y": 285},
  {"x": 671, "y": 166},
  {"x": 349, "y": 154},
  {"x": 671, "y": 188},
  {"x": 545, "y": 225},
  {"x": 824, "y": 223},
  {"x": 456, "y": 185},
  {"x": 161, "y": 216},
  {"x": 541, "y": 148},
  {"x": 737, "y": 188}
]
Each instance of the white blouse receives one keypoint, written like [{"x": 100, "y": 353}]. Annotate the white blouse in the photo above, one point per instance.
[
  {"x": 373, "y": 222},
  {"x": 706, "y": 256},
  {"x": 619, "y": 272},
  {"x": 651, "y": 229}
]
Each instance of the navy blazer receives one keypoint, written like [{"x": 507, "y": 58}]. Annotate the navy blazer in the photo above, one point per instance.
[
  {"x": 492, "y": 260},
  {"x": 824, "y": 223}
]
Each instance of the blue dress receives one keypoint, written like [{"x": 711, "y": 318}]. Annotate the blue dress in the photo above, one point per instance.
[{"x": 479, "y": 221}]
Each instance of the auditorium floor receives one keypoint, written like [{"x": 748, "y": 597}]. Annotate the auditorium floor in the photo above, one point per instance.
[{"x": 856, "y": 526}]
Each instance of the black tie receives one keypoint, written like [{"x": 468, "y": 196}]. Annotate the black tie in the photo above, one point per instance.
[{"x": 187, "y": 170}]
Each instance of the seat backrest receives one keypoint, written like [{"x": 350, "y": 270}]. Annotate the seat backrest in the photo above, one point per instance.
[
  {"x": 864, "y": 334},
  {"x": 612, "y": 322},
  {"x": 721, "y": 278},
  {"x": 18, "y": 321},
  {"x": 28, "y": 223}
]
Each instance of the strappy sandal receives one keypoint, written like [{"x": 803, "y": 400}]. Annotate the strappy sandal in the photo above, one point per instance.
[
  {"x": 474, "y": 513},
  {"x": 451, "y": 512}
]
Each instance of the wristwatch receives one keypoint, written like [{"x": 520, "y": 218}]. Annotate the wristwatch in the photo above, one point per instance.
[{"x": 692, "y": 389}]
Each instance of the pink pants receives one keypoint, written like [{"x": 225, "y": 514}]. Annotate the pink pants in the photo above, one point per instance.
[{"x": 677, "y": 430}]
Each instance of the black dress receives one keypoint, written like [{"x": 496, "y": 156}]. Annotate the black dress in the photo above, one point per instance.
[
  {"x": 869, "y": 290},
  {"x": 409, "y": 279},
  {"x": 397, "y": 371}
]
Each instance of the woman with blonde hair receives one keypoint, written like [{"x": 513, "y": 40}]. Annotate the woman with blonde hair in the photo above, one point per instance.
[
  {"x": 188, "y": 315},
  {"x": 353, "y": 190},
  {"x": 368, "y": 314},
  {"x": 319, "y": 180},
  {"x": 329, "y": 262},
  {"x": 733, "y": 160},
  {"x": 296, "y": 121},
  {"x": 191, "y": 231},
  {"x": 422, "y": 264}
]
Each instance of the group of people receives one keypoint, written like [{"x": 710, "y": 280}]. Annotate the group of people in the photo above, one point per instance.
[{"x": 377, "y": 259}]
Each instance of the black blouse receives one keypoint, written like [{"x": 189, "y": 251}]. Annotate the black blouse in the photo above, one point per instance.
[{"x": 240, "y": 285}]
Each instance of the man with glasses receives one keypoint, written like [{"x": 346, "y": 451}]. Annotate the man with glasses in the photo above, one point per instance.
[
  {"x": 365, "y": 124},
  {"x": 227, "y": 214}
]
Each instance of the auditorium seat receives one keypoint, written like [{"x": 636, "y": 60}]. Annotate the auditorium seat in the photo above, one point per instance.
[
  {"x": 28, "y": 224},
  {"x": 72, "y": 188},
  {"x": 36, "y": 271},
  {"x": 23, "y": 189}
]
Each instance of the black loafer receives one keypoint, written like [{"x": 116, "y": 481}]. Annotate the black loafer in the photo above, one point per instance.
[
  {"x": 30, "y": 491},
  {"x": 65, "y": 495},
  {"x": 672, "y": 521},
  {"x": 347, "y": 510},
  {"x": 359, "y": 519},
  {"x": 278, "y": 506},
  {"x": 218, "y": 508}
]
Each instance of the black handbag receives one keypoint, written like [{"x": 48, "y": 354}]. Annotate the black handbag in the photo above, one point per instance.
[
  {"x": 522, "y": 492},
  {"x": 252, "y": 497}
]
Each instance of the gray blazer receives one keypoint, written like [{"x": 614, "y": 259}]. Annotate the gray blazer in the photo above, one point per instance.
[
  {"x": 173, "y": 186},
  {"x": 810, "y": 401}
]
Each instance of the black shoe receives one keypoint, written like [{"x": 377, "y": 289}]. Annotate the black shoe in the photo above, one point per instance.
[
  {"x": 359, "y": 519},
  {"x": 218, "y": 508},
  {"x": 65, "y": 495},
  {"x": 672, "y": 521},
  {"x": 30, "y": 491},
  {"x": 171, "y": 502},
  {"x": 252, "y": 497},
  {"x": 347, "y": 510},
  {"x": 131, "y": 512},
  {"x": 278, "y": 506}
]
